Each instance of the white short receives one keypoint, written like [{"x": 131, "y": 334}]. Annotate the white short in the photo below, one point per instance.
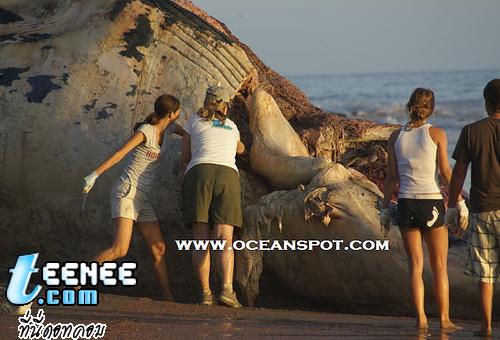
[{"x": 129, "y": 202}]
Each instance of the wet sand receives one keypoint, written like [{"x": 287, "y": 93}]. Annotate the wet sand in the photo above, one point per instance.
[{"x": 142, "y": 318}]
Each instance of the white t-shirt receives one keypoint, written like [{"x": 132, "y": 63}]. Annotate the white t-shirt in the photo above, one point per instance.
[
  {"x": 145, "y": 159},
  {"x": 212, "y": 142}
]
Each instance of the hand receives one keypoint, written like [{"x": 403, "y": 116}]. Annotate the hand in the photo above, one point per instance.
[
  {"x": 245, "y": 156},
  {"x": 385, "y": 221},
  {"x": 458, "y": 233},
  {"x": 241, "y": 149},
  {"x": 450, "y": 219},
  {"x": 463, "y": 215},
  {"x": 89, "y": 181}
]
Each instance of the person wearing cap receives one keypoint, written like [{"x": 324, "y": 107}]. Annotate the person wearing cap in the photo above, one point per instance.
[
  {"x": 479, "y": 145},
  {"x": 211, "y": 193}
]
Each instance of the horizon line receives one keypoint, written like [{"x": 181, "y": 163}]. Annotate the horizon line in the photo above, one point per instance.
[{"x": 355, "y": 73}]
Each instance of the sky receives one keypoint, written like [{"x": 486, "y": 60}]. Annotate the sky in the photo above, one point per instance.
[{"x": 365, "y": 36}]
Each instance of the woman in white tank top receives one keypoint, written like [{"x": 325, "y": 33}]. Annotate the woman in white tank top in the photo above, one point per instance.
[{"x": 417, "y": 154}]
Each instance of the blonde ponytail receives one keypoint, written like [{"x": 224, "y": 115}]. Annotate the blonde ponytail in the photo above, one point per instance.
[
  {"x": 420, "y": 106},
  {"x": 213, "y": 108}
]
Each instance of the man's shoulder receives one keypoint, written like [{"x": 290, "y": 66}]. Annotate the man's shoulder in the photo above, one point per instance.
[{"x": 480, "y": 124}]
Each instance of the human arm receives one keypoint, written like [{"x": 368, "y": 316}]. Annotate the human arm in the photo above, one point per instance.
[
  {"x": 457, "y": 210},
  {"x": 391, "y": 181},
  {"x": 186, "y": 149},
  {"x": 178, "y": 130},
  {"x": 457, "y": 181},
  {"x": 439, "y": 137},
  {"x": 242, "y": 151},
  {"x": 240, "y": 148},
  {"x": 186, "y": 141},
  {"x": 115, "y": 158}
]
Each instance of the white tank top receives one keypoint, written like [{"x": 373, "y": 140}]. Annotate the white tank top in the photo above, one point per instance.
[{"x": 416, "y": 155}]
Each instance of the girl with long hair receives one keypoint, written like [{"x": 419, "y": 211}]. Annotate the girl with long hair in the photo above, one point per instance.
[
  {"x": 417, "y": 152},
  {"x": 130, "y": 201}
]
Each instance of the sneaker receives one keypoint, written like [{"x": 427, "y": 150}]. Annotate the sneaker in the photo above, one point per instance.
[
  {"x": 9, "y": 309},
  {"x": 207, "y": 299},
  {"x": 229, "y": 299}
]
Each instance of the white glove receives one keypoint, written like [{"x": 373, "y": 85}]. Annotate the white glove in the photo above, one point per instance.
[
  {"x": 463, "y": 215},
  {"x": 385, "y": 220},
  {"x": 89, "y": 181}
]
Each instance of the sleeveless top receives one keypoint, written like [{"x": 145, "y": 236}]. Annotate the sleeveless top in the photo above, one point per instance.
[{"x": 416, "y": 155}]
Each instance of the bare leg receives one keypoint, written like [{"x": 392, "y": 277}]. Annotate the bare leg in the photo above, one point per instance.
[
  {"x": 225, "y": 264},
  {"x": 225, "y": 258},
  {"x": 123, "y": 234},
  {"x": 437, "y": 243},
  {"x": 151, "y": 233},
  {"x": 486, "y": 291},
  {"x": 201, "y": 258},
  {"x": 412, "y": 238},
  {"x": 119, "y": 248}
]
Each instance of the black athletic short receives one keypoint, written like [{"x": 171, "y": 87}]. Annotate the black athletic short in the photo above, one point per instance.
[{"x": 420, "y": 213}]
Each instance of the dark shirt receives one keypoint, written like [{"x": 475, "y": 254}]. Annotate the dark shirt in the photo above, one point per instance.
[{"x": 479, "y": 143}]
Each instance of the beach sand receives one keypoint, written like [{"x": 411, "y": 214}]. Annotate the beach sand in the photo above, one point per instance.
[{"x": 142, "y": 318}]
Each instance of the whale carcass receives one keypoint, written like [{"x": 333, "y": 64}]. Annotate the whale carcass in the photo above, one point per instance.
[{"x": 75, "y": 76}]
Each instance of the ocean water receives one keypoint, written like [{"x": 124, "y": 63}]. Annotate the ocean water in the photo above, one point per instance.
[{"x": 382, "y": 97}]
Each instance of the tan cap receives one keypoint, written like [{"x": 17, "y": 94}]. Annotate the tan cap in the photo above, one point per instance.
[{"x": 219, "y": 92}]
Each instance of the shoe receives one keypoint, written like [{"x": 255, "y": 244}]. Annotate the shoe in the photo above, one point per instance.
[
  {"x": 9, "y": 309},
  {"x": 207, "y": 299},
  {"x": 229, "y": 299}
]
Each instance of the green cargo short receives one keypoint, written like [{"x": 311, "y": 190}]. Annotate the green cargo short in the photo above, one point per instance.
[{"x": 211, "y": 194}]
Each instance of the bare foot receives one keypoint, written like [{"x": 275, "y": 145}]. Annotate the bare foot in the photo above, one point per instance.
[
  {"x": 167, "y": 295},
  {"x": 484, "y": 332},
  {"x": 449, "y": 326},
  {"x": 422, "y": 323}
]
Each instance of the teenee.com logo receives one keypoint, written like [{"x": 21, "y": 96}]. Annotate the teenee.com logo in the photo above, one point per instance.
[{"x": 71, "y": 276}]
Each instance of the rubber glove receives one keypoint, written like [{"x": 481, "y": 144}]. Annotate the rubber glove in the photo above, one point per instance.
[
  {"x": 89, "y": 181},
  {"x": 463, "y": 215}
]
